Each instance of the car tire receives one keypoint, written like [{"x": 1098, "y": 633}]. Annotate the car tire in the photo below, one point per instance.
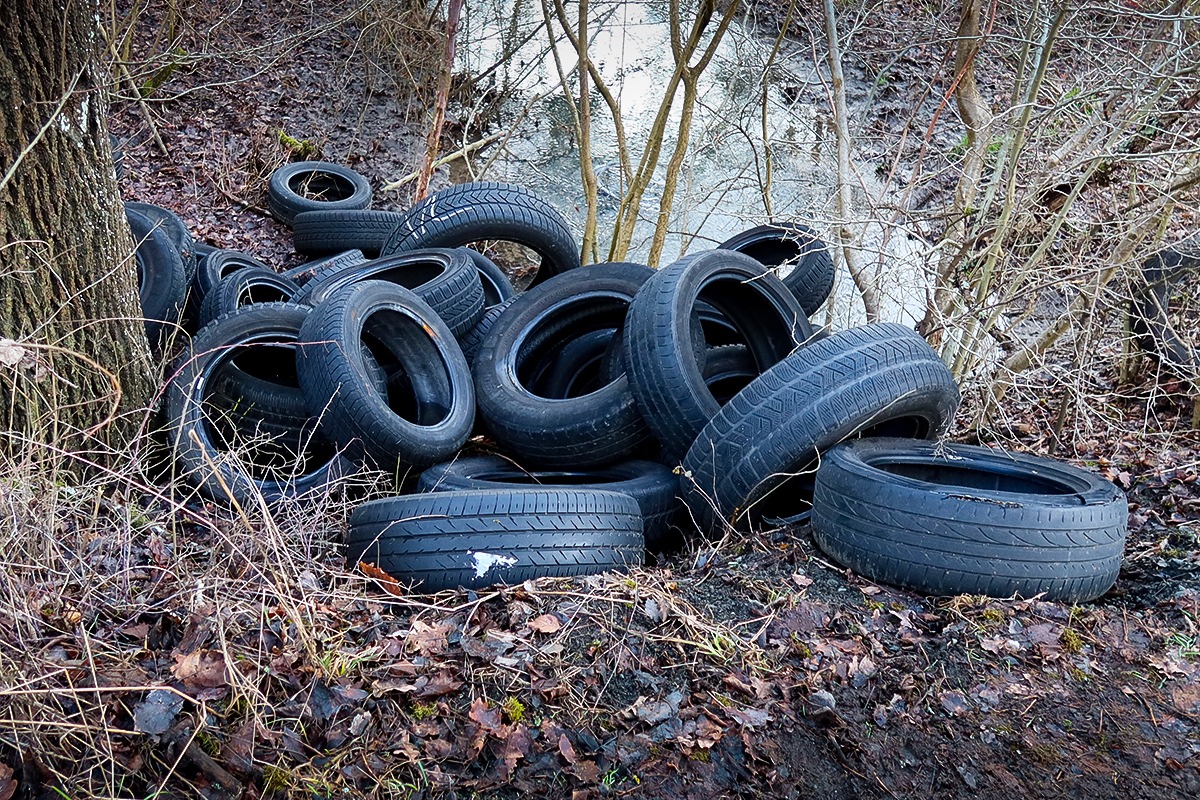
[
  {"x": 445, "y": 279},
  {"x": 323, "y": 233},
  {"x": 664, "y": 360},
  {"x": 654, "y": 486},
  {"x": 472, "y": 212},
  {"x": 337, "y": 188},
  {"x": 205, "y": 463},
  {"x": 811, "y": 276},
  {"x": 246, "y": 286},
  {"x": 429, "y": 409},
  {"x": 955, "y": 519},
  {"x": 587, "y": 431},
  {"x": 757, "y": 456},
  {"x": 475, "y": 539}
]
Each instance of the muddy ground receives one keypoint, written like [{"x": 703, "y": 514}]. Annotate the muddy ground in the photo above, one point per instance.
[{"x": 751, "y": 667}]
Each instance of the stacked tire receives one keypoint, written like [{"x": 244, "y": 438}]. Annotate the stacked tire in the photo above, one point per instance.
[{"x": 612, "y": 406}]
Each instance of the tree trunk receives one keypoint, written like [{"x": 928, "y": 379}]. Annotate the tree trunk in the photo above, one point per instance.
[{"x": 74, "y": 360}]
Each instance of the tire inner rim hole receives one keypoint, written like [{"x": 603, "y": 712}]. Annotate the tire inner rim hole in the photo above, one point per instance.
[
  {"x": 417, "y": 378},
  {"x": 411, "y": 275},
  {"x": 321, "y": 186},
  {"x": 542, "y": 478},
  {"x": 518, "y": 262},
  {"x": 756, "y": 318},
  {"x": 561, "y": 356},
  {"x": 941, "y": 473},
  {"x": 255, "y": 293},
  {"x": 239, "y": 424}
]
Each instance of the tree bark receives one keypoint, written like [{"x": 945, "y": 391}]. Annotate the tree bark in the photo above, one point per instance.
[{"x": 74, "y": 360}]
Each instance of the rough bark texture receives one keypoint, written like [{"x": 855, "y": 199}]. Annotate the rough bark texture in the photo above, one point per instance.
[{"x": 68, "y": 284}]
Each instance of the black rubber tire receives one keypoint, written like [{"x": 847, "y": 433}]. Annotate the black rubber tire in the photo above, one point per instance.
[
  {"x": 472, "y": 212},
  {"x": 475, "y": 539},
  {"x": 727, "y": 370},
  {"x": 654, "y": 486},
  {"x": 1149, "y": 317},
  {"x": 246, "y": 286},
  {"x": 877, "y": 380},
  {"x": 305, "y": 272},
  {"x": 496, "y": 286},
  {"x": 215, "y": 267},
  {"x": 592, "y": 430},
  {"x": 445, "y": 279},
  {"x": 578, "y": 368},
  {"x": 339, "y": 188},
  {"x": 955, "y": 519},
  {"x": 217, "y": 475},
  {"x": 176, "y": 230},
  {"x": 664, "y": 360},
  {"x": 424, "y": 418},
  {"x": 472, "y": 340},
  {"x": 162, "y": 282},
  {"x": 811, "y": 276},
  {"x": 324, "y": 233}
]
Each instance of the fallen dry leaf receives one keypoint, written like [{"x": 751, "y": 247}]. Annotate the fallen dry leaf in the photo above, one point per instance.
[
  {"x": 546, "y": 623},
  {"x": 202, "y": 669},
  {"x": 8, "y": 787},
  {"x": 385, "y": 581},
  {"x": 487, "y": 718}
]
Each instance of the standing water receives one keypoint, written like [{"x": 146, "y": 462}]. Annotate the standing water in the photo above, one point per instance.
[{"x": 748, "y": 90}]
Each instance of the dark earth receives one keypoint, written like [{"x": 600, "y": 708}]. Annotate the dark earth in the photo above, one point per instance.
[{"x": 748, "y": 667}]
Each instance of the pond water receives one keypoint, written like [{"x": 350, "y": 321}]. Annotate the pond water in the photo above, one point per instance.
[{"x": 744, "y": 93}]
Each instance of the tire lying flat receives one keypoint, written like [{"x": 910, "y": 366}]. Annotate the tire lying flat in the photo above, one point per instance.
[
  {"x": 652, "y": 485},
  {"x": 877, "y": 380},
  {"x": 326, "y": 233},
  {"x": 953, "y": 519},
  {"x": 474, "y": 539},
  {"x": 315, "y": 186}
]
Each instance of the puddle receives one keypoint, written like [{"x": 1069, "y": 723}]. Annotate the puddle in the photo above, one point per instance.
[{"x": 720, "y": 188}]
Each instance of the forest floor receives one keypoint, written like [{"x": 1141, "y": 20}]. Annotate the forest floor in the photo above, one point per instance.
[{"x": 158, "y": 646}]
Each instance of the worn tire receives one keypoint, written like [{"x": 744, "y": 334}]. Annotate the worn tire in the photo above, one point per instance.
[
  {"x": 445, "y": 279},
  {"x": 474, "y": 539},
  {"x": 429, "y": 408},
  {"x": 877, "y": 380},
  {"x": 591, "y": 430},
  {"x": 162, "y": 281},
  {"x": 213, "y": 471},
  {"x": 176, "y": 230},
  {"x": 246, "y": 286},
  {"x": 956, "y": 519},
  {"x": 303, "y": 273},
  {"x": 654, "y": 486},
  {"x": 811, "y": 276},
  {"x": 664, "y": 360},
  {"x": 323, "y": 233},
  {"x": 338, "y": 188},
  {"x": 216, "y": 266},
  {"x": 471, "y": 212}
]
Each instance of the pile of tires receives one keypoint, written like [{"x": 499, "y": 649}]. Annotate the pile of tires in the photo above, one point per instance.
[{"x": 606, "y": 411}]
